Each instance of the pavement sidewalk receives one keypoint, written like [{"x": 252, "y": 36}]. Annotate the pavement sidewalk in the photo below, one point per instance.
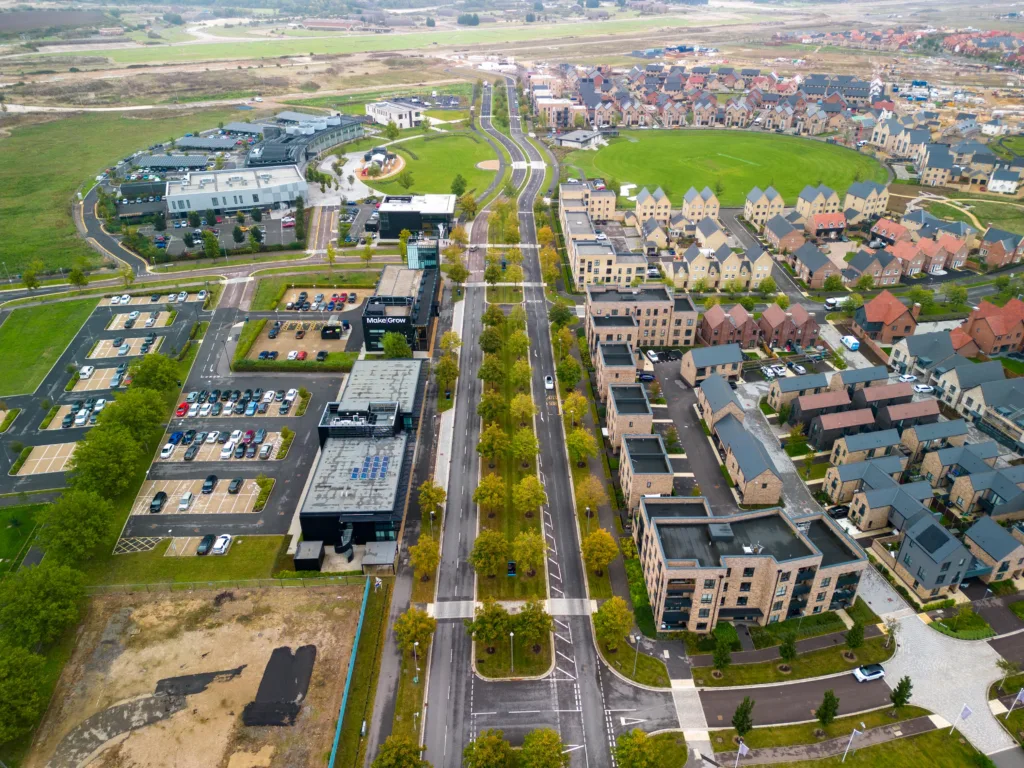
[
  {"x": 835, "y": 639},
  {"x": 831, "y": 747}
]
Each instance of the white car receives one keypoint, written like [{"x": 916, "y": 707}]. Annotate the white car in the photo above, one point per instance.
[
  {"x": 549, "y": 383},
  {"x": 228, "y": 449},
  {"x": 293, "y": 355},
  {"x": 799, "y": 369},
  {"x": 290, "y": 395},
  {"x": 652, "y": 355},
  {"x": 780, "y": 370},
  {"x": 202, "y": 295},
  {"x": 81, "y": 418},
  {"x": 906, "y": 378},
  {"x": 100, "y": 405},
  {"x": 268, "y": 396},
  {"x": 134, "y": 315},
  {"x": 869, "y": 672},
  {"x": 924, "y": 389},
  {"x": 115, "y": 300},
  {"x": 236, "y": 436},
  {"x": 221, "y": 545},
  {"x": 212, "y": 437},
  {"x": 767, "y": 372},
  {"x": 85, "y": 371},
  {"x": 182, "y": 296},
  {"x": 186, "y": 501},
  {"x": 167, "y": 451},
  {"x": 204, "y": 409},
  {"x": 126, "y": 299},
  {"x": 150, "y": 322},
  {"x": 193, "y": 410},
  {"x": 602, "y": 236}
]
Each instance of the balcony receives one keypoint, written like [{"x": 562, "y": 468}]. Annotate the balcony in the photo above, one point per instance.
[
  {"x": 802, "y": 589},
  {"x": 849, "y": 580},
  {"x": 805, "y": 576},
  {"x": 675, "y": 603}
]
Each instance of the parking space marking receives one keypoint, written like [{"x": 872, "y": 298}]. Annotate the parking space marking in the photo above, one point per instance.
[
  {"x": 47, "y": 458},
  {"x": 100, "y": 379},
  {"x": 106, "y": 349},
  {"x": 220, "y": 502},
  {"x": 61, "y": 413},
  {"x": 118, "y": 321},
  {"x": 211, "y": 451}
]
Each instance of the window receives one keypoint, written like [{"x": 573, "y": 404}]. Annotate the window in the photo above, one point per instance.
[
  {"x": 748, "y": 572},
  {"x": 780, "y": 591},
  {"x": 744, "y": 586},
  {"x": 817, "y": 609},
  {"x": 944, "y": 568},
  {"x": 820, "y": 597},
  {"x": 708, "y": 583},
  {"x": 826, "y": 581},
  {"x": 255, "y": 198},
  {"x": 706, "y": 597},
  {"x": 702, "y": 625},
  {"x": 907, "y": 559}
]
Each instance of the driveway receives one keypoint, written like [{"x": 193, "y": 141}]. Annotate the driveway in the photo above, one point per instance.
[{"x": 853, "y": 359}]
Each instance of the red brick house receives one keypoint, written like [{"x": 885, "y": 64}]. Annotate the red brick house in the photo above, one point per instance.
[
  {"x": 886, "y": 319},
  {"x": 779, "y": 329},
  {"x": 909, "y": 255},
  {"x": 783, "y": 236},
  {"x": 733, "y": 327},
  {"x": 889, "y": 231},
  {"x": 827, "y": 226},
  {"x": 999, "y": 248},
  {"x": 996, "y": 329}
]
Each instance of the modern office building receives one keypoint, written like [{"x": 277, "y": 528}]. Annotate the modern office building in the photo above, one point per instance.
[
  {"x": 235, "y": 189},
  {"x": 404, "y": 302},
  {"x": 404, "y": 114},
  {"x": 297, "y": 137},
  {"x": 431, "y": 215}
]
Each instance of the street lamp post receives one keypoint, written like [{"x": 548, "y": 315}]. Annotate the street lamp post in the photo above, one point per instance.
[
  {"x": 588, "y": 520},
  {"x": 636, "y": 652},
  {"x": 512, "y": 652},
  {"x": 855, "y": 732},
  {"x": 416, "y": 657}
]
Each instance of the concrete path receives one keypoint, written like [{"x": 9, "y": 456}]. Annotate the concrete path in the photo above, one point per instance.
[{"x": 796, "y": 496}]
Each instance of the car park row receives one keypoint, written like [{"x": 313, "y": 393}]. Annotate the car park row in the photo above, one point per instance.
[{"x": 226, "y": 402}]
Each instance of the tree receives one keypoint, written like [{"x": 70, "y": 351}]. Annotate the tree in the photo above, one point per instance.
[
  {"x": 406, "y": 180},
  {"x": 520, "y": 375},
  {"x": 238, "y": 235},
  {"x": 492, "y": 406},
  {"x": 722, "y": 655},
  {"x": 892, "y": 628},
  {"x": 634, "y": 750},
  {"x": 563, "y": 340},
  {"x": 900, "y": 695},
  {"x": 532, "y": 624},
  {"x": 524, "y": 445},
  {"x": 855, "y": 636},
  {"x": 491, "y": 371},
  {"x": 853, "y": 302},
  {"x": 580, "y": 444},
  {"x": 458, "y": 187},
  {"x": 529, "y": 550},
  {"x": 105, "y": 461},
  {"x": 413, "y": 626},
  {"x": 711, "y": 301},
  {"x": 22, "y": 683},
  {"x": 493, "y": 443},
  {"x": 514, "y": 274},
  {"x": 782, "y": 300},
  {"x": 211, "y": 217},
  {"x": 733, "y": 286},
  {"x": 569, "y": 372},
  {"x": 575, "y": 407},
  {"x": 962, "y": 611},
  {"x": 865, "y": 282},
  {"x": 590, "y": 493},
  {"x": 522, "y": 408},
  {"x": 834, "y": 283},
  {"x": 545, "y": 236},
  {"x": 517, "y": 319},
  {"x": 543, "y": 748},
  {"x": 488, "y": 750},
  {"x": 211, "y": 249},
  {"x": 655, "y": 389},
  {"x": 490, "y": 493},
  {"x": 528, "y": 496},
  {"x": 742, "y": 718},
  {"x": 518, "y": 343},
  {"x": 399, "y": 751},
  {"x": 456, "y": 269},
  {"x": 138, "y": 410},
  {"x": 956, "y": 296},
  {"x": 599, "y": 549},
  {"x": 395, "y": 346},
  {"x": 491, "y": 340},
  {"x": 561, "y": 314},
  {"x": 367, "y": 254},
  {"x": 432, "y": 497},
  {"x": 37, "y": 604},
  {"x": 491, "y": 624},
  {"x": 447, "y": 371},
  {"x": 459, "y": 236},
  {"x": 256, "y": 214},
  {"x": 492, "y": 274},
  {"x": 425, "y": 556},
  {"x": 468, "y": 205},
  {"x": 767, "y": 286},
  {"x": 391, "y": 131},
  {"x": 828, "y": 710},
  {"x": 425, "y": 124},
  {"x": 78, "y": 278},
  {"x": 157, "y": 372},
  {"x": 1007, "y": 666},
  {"x": 787, "y": 649},
  {"x": 193, "y": 219},
  {"x": 74, "y": 525},
  {"x": 612, "y": 622},
  {"x": 331, "y": 256},
  {"x": 432, "y": 23},
  {"x": 549, "y": 264}
]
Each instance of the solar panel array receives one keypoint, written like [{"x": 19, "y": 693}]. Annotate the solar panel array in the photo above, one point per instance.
[{"x": 374, "y": 467}]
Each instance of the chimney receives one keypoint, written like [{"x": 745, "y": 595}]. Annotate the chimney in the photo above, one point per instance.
[{"x": 915, "y": 310}]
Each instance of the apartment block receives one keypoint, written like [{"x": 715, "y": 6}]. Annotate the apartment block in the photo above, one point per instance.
[
  {"x": 725, "y": 360},
  {"x": 663, "y": 319},
  {"x": 614, "y": 363},
  {"x": 598, "y": 203},
  {"x": 644, "y": 469},
  {"x": 629, "y": 413}
]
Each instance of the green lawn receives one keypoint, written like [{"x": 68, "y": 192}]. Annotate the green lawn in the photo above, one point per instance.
[
  {"x": 862, "y": 613},
  {"x": 669, "y": 750},
  {"x": 809, "y": 626},
  {"x": 33, "y": 338},
  {"x": 1018, "y": 609},
  {"x": 527, "y": 663},
  {"x": 434, "y": 161},
  {"x": 935, "y": 749},
  {"x": 16, "y": 526},
  {"x": 815, "y": 664},
  {"x": 786, "y": 735},
  {"x": 649, "y": 670},
  {"x": 739, "y": 160},
  {"x": 353, "y": 103},
  {"x": 948, "y": 212},
  {"x": 409, "y": 700},
  {"x": 1008, "y": 216},
  {"x": 39, "y": 176}
]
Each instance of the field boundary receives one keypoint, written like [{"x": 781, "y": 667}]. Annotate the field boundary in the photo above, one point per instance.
[
  {"x": 348, "y": 676},
  {"x": 190, "y": 586}
]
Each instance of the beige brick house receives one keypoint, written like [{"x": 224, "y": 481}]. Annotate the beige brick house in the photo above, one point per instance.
[
  {"x": 726, "y": 360},
  {"x": 996, "y": 548},
  {"x": 653, "y": 206},
  {"x": 629, "y": 413},
  {"x": 789, "y": 388},
  {"x": 644, "y": 469},
  {"x": 614, "y": 363},
  {"x": 699, "y": 205},
  {"x": 762, "y": 205}
]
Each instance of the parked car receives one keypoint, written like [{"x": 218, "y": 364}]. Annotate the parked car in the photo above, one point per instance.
[
  {"x": 85, "y": 371},
  {"x": 220, "y": 547},
  {"x": 192, "y": 452},
  {"x": 799, "y": 369},
  {"x": 260, "y": 436},
  {"x": 265, "y": 451},
  {"x": 167, "y": 451},
  {"x": 235, "y": 486},
  {"x": 652, "y": 356},
  {"x": 68, "y": 421},
  {"x": 212, "y": 437},
  {"x": 186, "y": 501},
  {"x": 175, "y": 438},
  {"x": 206, "y": 544},
  {"x": 157, "y": 504},
  {"x": 767, "y": 372},
  {"x": 924, "y": 389},
  {"x": 838, "y": 512},
  {"x": 907, "y": 378},
  {"x": 321, "y": 355},
  {"x": 209, "y": 484},
  {"x": 869, "y": 672}
]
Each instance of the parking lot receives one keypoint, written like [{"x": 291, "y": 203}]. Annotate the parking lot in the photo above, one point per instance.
[
  {"x": 141, "y": 322},
  {"x": 220, "y": 502},
  {"x": 105, "y": 348},
  {"x": 273, "y": 234},
  {"x": 101, "y": 379},
  {"x": 211, "y": 451},
  {"x": 287, "y": 343},
  {"x": 47, "y": 458},
  {"x": 292, "y": 295},
  {"x": 161, "y": 298}
]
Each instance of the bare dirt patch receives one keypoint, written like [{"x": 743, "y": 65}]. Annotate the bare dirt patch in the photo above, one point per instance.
[
  {"x": 216, "y": 646},
  {"x": 488, "y": 165}
]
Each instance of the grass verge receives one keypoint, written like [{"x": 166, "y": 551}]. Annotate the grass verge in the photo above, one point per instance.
[
  {"x": 16, "y": 527},
  {"x": 266, "y": 485},
  {"x": 807, "y": 626},
  {"x": 499, "y": 664},
  {"x": 287, "y": 435},
  {"x": 20, "y": 461},
  {"x": 636, "y": 666},
  {"x": 409, "y": 697},
  {"x": 9, "y": 418},
  {"x": 935, "y": 749},
  {"x": 33, "y": 338}
]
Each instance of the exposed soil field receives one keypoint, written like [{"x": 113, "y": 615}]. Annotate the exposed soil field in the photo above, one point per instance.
[{"x": 130, "y": 643}]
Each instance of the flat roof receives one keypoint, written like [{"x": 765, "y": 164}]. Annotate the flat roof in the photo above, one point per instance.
[
  {"x": 651, "y": 293},
  {"x": 693, "y": 540},
  {"x": 833, "y": 548},
  {"x": 202, "y": 142},
  {"x": 429, "y": 204},
  {"x": 356, "y": 476},
  {"x": 630, "y": 399},
  {"x": 234, "y": 180},
  {"x": 693, "y": 506},
  {"x": 375, "y": 381},
  {"x": 578, "y": 224},
  {"x": 616, "y": 353},
  {"x": 399, "y": 281},
  {"x": 646, "y": 455},
  {"x": 614, "y": 321}
]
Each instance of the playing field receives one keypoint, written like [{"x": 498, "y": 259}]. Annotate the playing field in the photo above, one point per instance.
[
  {"x": 434, "y": 161},
  {"x": 737, "y": 160}
]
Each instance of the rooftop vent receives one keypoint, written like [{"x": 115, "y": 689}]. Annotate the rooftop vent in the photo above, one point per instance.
[{"x": 720, "y": 532}]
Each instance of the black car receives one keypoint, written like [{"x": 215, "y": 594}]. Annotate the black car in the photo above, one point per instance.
[
  {"x": 236, "y": 485},
  {"x": 247, "y": 395},
  {"x": 250, "y": 451},
  {"x": 189, "y": 436},
  {"x": 279, "y": 395},
  {"x": 240, "y": 450},
  {"x": 216, "y": 410},
  {"x": 117, "y": 342},
  {"x": 273, "y": 333},
  {"x": 223, "y": 437},
  {"x": 321, "y": 355},
  {"x": 272, "y": 354},
  {"x": 838, "y": 512},
  {"x": 206, "y": 544},
  {"x": 122, "y": 368},
  {"x": 239, "y": 408},
  {"x": 203, "y": 396},
  {"x": 263, "y": 407},
  {"x": 236, "y": 395},
  {"x": 129, "y": 324},
  {"x": 283, "y": 410},
  {"x": 155, "y": 298},
  {"x": 214, "y": 397},
  {"x": 192, "y": 452},
  {"x": 225, "y": 395},
  {"x": 67, "y": 421},
  {"x": 158, "y": 502},
  {"x": 209, "y": 484},
  {"x": 257, "y": 393}
]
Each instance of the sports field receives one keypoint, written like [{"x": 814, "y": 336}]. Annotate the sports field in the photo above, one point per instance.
[
  {"x": 434, "y": 161},
  {"x": 737, "y": 160}
]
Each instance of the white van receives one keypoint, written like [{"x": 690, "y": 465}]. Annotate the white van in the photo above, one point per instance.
[
  {"x": 836, "y": 302},
  {"x": 851, "y": 343},
  {"x": 86, "y": 371}
]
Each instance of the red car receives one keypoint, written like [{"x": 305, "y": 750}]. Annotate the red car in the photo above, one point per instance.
[
  {"x": 182, "y": 410},
  {"x": 248, "y": 436},
  {"x": 302, "y": 355}
]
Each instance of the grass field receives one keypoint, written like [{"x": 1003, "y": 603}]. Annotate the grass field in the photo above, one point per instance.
[
  {"x": 353, "y": 103},
  {"x": 948, "y": 212},
  {"x": 434, "y": 161},
  {"x": 935, "y": 749},
  {"x": 39, "y": 176},
  {"x": 740, "y": 160},
  {"x": 16, "y": 525},
  {"x": 1006, "y": 216},
  {"x": 32, "y": 339}
]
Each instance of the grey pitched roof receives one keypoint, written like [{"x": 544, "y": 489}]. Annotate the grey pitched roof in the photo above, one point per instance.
[
  {"x": 771, "y": 193},
  {"x": 706, "y": 193},
  {"x": 971, "y": 374},
  {"x": 940, "y": 429},
  {"x": 864, "y": 188},
  {"x": 642, "y": 196},
  {"x": 718, "y": 393},
  {"x": 691, "y": 195},
  {"x": 1007, "y": 392},
  {"x": 866, "y": 441},
  {"x": 994, "y": 235},
  {"x": 651, "y": 225},
  {"x": 810, "y": 255},
  {"x": 932, "y": 347},
  {"x": 722, "y": 253},
  {"x": 992, "y": 537},
  {"x": 1004, "y": 174},
  {"x": 875, "y": 473},
  {"x": 723, "y": 354},
  {"x": 779, "y": 227},
  {"x": 659, "y": 194},
  {"x": 707, "y": 226},
  {"x": 938, "y": 543},
  {"x": 863, "y": 375},
  {"x": 755, "y": 194},
  {"x": 808, "y": 193},
  {"x": 750, "y": 454},
  {"x": 972, "y": 457},
  {"x": 800, "y": 383},
  {"x": 866, "y": 258}
]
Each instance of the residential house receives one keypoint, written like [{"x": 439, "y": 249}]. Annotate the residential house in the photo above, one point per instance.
[
  {"x": 733, "y": 327},
  {"x": 907, "y": 414},
  {"x": 881, "y": 396},
  {"x": 882, "y": 266},
  {"x": 700, "y": 205},
  {"x": 725, "y": 360},
  {"x": 929, "y": 559},
  {"x": 999, "y": 408},
  {"x": 885, "y": 319},
  {"x": 609, "y": 328},
  {"x": 825, "y": 430},
  {"x": 812, "y": 266},
  {"x": 920, "y": 353},
  {"x": 654, "y": 234},
  {"x": 994, "y": 546},
  {"x": 807, "y": 407},
  {"x": 996, "y": 329},
  {"x": 867, "y": 199},
  {"x": 629, "y": 413},
  {"x": 716, "y": 400},
  {"x": 1004, "y": 181},
  {"x": 922, "y": 438},
  {"x": 710, "y": 235},
  {"x": 786, "y": 389},
  {"x": 614, "y": 363},
  {"x": 815, "y": 200},
  {"x": 889, "y": 232},
  {"x": 826, "y": 226},
  {"x": 910, "y": 259},
  {"x": 960, "y": 375},
  {"x": 865, "y": 446},
  {"x": 843, "y": 481},
  {"x": 942, "y": 467},
  {"x": 644, "y": 469},
  {"x": 997, "y": 493},
  {"x": 783, "y": 236},
  {"x": 762, "y": 205},
  {"x": 653, "y": 206},
  {"x": 999, "y": 248},
  {"x": 747, "y": 461},
  {"x": 598, "y": 203},
  {"x": 853, "y": 379},
  {"x": 788, "y": 330}
]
